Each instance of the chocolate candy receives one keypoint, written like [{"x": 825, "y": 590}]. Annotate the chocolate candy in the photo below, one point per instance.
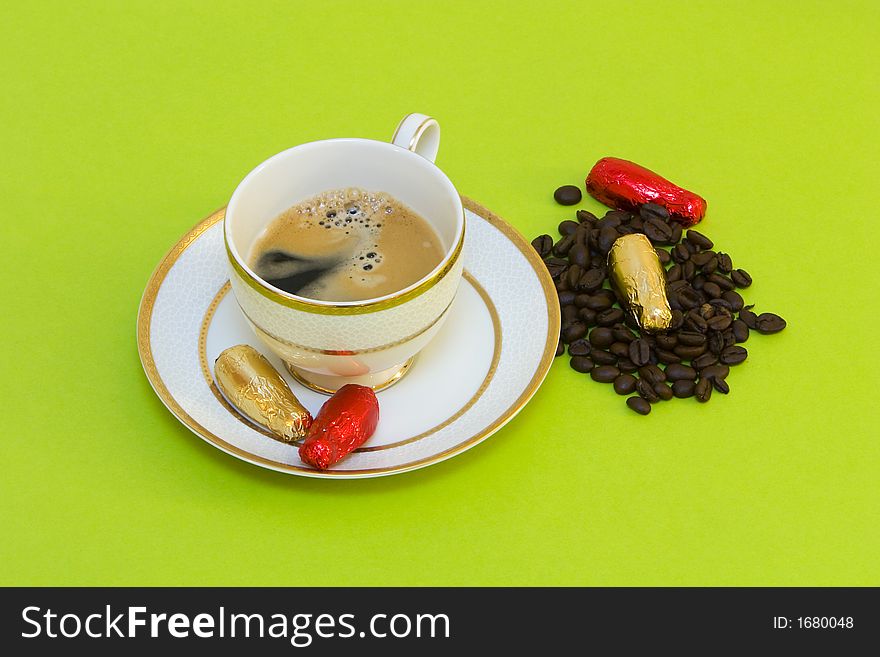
[
  {"x": 640, "y": 281},
  {"x": 256, "y": 390},
  {"x": 625, "y": 185},
  {"x": 343, "y": 424}
]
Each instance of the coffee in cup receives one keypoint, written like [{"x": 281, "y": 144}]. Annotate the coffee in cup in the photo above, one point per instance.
[{"x": 346, "y": 245}]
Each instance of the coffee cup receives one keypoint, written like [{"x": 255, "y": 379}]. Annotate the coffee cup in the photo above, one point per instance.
[{"x": 326, "y": 344}]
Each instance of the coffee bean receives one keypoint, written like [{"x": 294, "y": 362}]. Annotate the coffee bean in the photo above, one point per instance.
[
  {"x": 699, "y": 240},
  {"x": 648, "y": 210},
  {"x": 581, "y": 364},
  {"x": 706, "y": 311},
  {"x": 584, "y": 216},
  {"x": 667, "y": 357},
  {"x": 719, "y": 322},
  {"x": 543, "y": 244},
  {"x": 574, "y": 331},
  {"x": 688, "y": 271},
  {"x": 581, "y": 235},
  {"x": 569, "y": 313},
  {"x": 626, "y": 365},
  {"x": 676, "y": 371},
  {"x": 567, "y": 227},
  {"x": 562, "y": 247},
  {"x": 680, "y": 253},
  {"x": 721, "y": 281},
  {"x": 673, "y": 273},
  {"x": 704, "y": 360},
  {"x": 599, "y": 303},
  {"x": 560, "y": 348},
  {"x": 657, "y": 230},
  {"x": 715, "y": 372},
  {"x": 666, "y": 341},
  {"x": 677, "y": 320},
  {"x": 613, "y": 218},
  {"x": 639, "y": 352},
  {"x": 733, "y": 355},
  {"x": 695, "y": 322},
  {"x": 579, "y": 348},
  {"x": 652, "y": 374},
  {"x": 622, "y": 334},
  {"x": 741, "y": 277},
  {"x": 715, "y": 344},
  {"x": 721, "y": 386},
  {"x": 663, "y": 391},
  {"x": 663, "y": 256},
  {"x": 580, "y": 300},
  {"x": 556, "y": 266},
  {"x": 698, "y": 282},
  {"x": 691, "y": 338},
  {"x": 768, "y": 323},
  {"x": 646, "y": 391},
  {"x": 724, "y": 263},
  {"x": 609, "y": 317},
  {"x": 734, "y": 299},
  {"x": 603, "y": 357},
  {"x": 591, "y": 280},
  {"x": 580, "y": 256},
  {"x": 703, "y": 390},
  {"x": 639, "y": 405},
  {"x": 675, "y": 238},
  {"x": 720, "y": 303},
  {"x": 689, "y": 298},
  {"x": 601, "y": 337},
  {"x": 711, "y": 290},
  {"x": 729, "y": 338},
  {"x": 740, "y": 330},
  {"x": 566, "y": 298},
  {"x": 686, "y": 352},
  {"x": 683, "y": 388},
  {"x": 619, "y": 349},
  {"x": 605, "y": 373},
  {"x": 573, "y": 275},
  {"x": 711, "y": 265},
  {"x": 749, "y": 318},
  {"x": 607, "y": 237},
  {"x": 625, "y": 384},
  {"x": 587, "y": 316},
  {"x": 567, "y": 195},
  {"x": 700, "y": 259}
]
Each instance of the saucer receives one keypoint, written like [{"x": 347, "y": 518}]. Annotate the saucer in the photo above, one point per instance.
[{"x": 482, "y": 367}]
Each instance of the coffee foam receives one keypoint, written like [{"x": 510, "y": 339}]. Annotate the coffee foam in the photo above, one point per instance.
[{"x": 346, "y": 245}]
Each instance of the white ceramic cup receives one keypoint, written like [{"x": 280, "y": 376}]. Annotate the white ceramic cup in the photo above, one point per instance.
[{"x": 327, "y": 344}]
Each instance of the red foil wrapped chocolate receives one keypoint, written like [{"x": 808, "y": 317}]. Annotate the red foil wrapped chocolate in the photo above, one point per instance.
[
  {"x": 343, "y": 424},
  {"x": 625, "y": 185}
]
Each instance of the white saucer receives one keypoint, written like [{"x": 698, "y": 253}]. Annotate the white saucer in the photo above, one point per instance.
[{"x": 482, "y": 367}]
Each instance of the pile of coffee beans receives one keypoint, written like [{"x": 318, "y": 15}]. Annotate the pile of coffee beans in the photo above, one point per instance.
[{"x": 710, "y": 319}]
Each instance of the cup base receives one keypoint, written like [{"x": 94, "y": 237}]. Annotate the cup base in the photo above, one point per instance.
[{"x": 327, "y": 384}]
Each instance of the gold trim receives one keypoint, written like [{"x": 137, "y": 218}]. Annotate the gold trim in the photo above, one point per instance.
[
  {"x": 490, "y": 374},
  {"x": 418, "y": 132},
  {"x": 145, "y": 312},
  {"x": 331, "y": 352},
  {"x": 357, "y": 308},
  {"x": 303, "y": 381}
]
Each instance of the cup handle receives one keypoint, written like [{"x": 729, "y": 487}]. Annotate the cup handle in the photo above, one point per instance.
[{"x": 420, "y": 134}]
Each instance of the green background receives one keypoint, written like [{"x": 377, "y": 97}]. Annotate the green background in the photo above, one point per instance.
[{"x": 123, "y": 124}]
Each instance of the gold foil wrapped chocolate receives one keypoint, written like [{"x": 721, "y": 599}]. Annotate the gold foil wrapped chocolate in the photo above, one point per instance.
[
  {"x": 257, "y": 391},
  {"x": 640, "y": 281}
]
